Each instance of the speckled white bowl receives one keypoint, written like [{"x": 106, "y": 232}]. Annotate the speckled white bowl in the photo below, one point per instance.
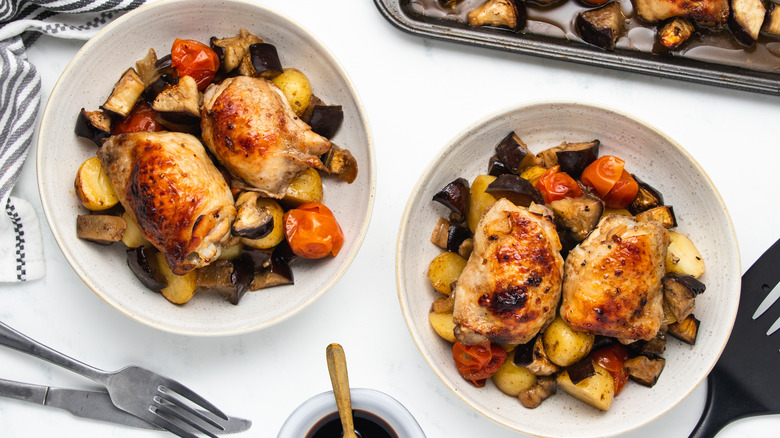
[
  {"x": 86, "y": 83},
  {"x": 308, "y": 414},
  {"x": 654, "y": 158}
]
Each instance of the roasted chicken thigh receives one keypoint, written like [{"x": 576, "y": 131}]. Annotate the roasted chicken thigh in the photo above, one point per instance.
[
  {"x": 250, "y": 127},
  {"x": 181, "y": 202},
  {"x": 612, "y": 282},
  {"x": 511, "y": 285}
]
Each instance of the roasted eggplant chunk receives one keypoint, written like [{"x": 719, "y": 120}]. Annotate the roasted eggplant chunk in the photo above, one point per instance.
[
  {"x": 663, "y": 215},
  {"x": 680, "y": 292},
  {"x": 685, "y": 330},
  {"x": 179, "y": 103},
  {"x": 325, "y": 120},
  {"x": 455, "y": 196},
  {"x": 125, "y": 94},
  {"x": 644, "y": 370},
  {"x": 708, "y": 13},
  {"x": 515, "y": 189},
  {"x": 341, "y": 163},
  {"x": 772, "y": 21},
  {"x": 514, "y": 153},
  {"x": 572, "y": 157},
  {"x": 276, "y": 274},
  {"x": 509, "y": 14},
  {"x": 578, "y": 215},
  {"x": 231, "y": 50},
  {"x": 100, "y": 228},
  {"x": 94, "y": 125},
  {"x": 602, "y": 26},
  {"x": 262, "y": 60},
  {"x": 253, "y": 220},
  {"x": 145, "y": 269},
  {"x": 646, "y": 198},
  {"x": 746, "y": 19},
  {"x": 675, "y": 32}
]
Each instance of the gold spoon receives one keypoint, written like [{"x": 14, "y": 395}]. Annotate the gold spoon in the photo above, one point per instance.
[{"x": 337, "y": 367}]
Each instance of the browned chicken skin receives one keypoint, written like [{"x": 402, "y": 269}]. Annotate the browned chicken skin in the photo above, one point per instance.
[
  {"x": 713, "y": 13},
  {"x": 511, "y": 285},
  {"x": 612, "y": 282},
  {"x": 180, "y": 200},
  {"x": 250, "y": 127}
]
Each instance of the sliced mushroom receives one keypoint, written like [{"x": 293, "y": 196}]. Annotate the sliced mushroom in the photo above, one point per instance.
[
  {"x": 644, "y": 370},
  {"x": 543, "y": 388},
  {"x": 602, "y": 26},
  {"x": 578, "y": 215},
  {"x": 675, "y": 32},
  {"x": 499, "y": 13},
  {"x": 231, "y": 50},
  {"x": 94, "y": 125},
  {"x": 125, "y": 94},
  {"x": 253, "y": 220}
]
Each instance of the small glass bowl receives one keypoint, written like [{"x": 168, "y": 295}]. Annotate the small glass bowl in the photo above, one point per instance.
[{"x": 307, "y": 415}]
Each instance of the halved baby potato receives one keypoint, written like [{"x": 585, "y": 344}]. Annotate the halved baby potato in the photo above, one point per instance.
[
  {"x": 277, "y": 233},
  {"x": 296, "y": 87},
  {"x": 306, "y": 187},
  {"x": 443, "y": 325},
  {"x": 444, "y": 270},
  {"x": 93, "y": 186},
  {"x": 180, "y": 288},
  {"x": 682, "y": 256}
]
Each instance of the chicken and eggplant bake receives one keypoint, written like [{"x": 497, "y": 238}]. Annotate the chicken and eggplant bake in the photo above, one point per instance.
[
  {"x": 560, "y": 270},
  {"x": 209, "y": 167}
]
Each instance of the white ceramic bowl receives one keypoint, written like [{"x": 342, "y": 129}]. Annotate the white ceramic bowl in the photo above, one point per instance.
[
  {"x": 654, "y": 158},
  {"x": 307, "y": 415},
  {"x": 86, "y": 83}
]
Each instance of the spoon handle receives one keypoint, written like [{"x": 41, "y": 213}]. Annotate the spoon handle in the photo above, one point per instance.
[{"x": 337, "y": 367}]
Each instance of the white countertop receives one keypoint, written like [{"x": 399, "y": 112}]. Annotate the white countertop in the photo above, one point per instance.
[{"x": 418, "y": 94}]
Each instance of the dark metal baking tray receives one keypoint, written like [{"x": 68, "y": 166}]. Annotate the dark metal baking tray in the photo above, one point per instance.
[{"x": 401, "y": 16}]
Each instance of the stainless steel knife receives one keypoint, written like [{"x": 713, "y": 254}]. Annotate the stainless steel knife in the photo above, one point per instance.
[{"x": 95, "y": 405}]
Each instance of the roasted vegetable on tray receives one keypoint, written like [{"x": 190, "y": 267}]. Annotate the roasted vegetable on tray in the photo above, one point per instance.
[
  {"x": 560, "y": 269},
  {"x": 207, "y": 170}
]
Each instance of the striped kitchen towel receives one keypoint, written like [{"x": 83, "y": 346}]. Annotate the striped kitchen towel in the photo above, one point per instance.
[{"x": 21, "y": 23}]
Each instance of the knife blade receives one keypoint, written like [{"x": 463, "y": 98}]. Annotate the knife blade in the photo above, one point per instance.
[{"x": 95, "y": 405}]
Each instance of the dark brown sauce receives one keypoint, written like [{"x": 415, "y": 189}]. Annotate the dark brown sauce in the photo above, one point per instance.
[
  {"x": 557, "y": 21},
  {"x": 367, "y": 425}
]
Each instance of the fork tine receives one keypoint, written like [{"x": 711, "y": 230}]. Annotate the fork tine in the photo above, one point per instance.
[
  {"x": 168, "y": 412},
  {"x": 180, "y": 405},
  {"x": 193, "y": 397},
  {"x": 166, "y": 424},
  {"x": 771, "y": 310}
]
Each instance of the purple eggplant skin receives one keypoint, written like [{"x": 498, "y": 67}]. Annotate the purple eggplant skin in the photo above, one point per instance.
[
  {"x": 93, "y": 125},
  {"x": 745, "y": 20},
  {"x": 646, "y": 198},
  {"x": 265, "y": 60},
  {"x": 514, "y": 153},
  {"x": 575, "y": 159},
  {"x": 518, "y": 190},
  {"x": 138, "y": 261},
  {"x": 455, "y": 196},
  {"x": 326, "y": 120},
  {"x": 601, "y": 26},
  {"x": 455, "y": 237},
  {"x": 496, "y": 167},
  {"x": 581, "y": 370}
]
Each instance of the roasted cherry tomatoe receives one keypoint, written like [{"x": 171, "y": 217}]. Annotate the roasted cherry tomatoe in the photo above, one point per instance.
[
  {"x": 195, "y": 59},
  {"x": 312, "y": 231},
  {"x": 476, "y": 363}
]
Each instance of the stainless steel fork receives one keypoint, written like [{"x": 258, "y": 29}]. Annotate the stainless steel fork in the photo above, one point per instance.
[
  {"x": 159, "y": 400},
  {"x": 745, "y": 381}
]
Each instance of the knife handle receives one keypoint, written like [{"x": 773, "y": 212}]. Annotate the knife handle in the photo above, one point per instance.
[{"x": 23, "y": 391}]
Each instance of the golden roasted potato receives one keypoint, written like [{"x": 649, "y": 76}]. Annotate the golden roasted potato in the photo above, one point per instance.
[
  {"x": 511, "y": 379},
  {"x": 296, "y": 87},
  {"x": 180, "y": 288},
  {"x": 231, "y": 251},
  {"x": 682, "y": 256},
  {"x": 533, "y": 173},
  {"x": 277, "y": 234},
  {"x": 306, "y": 187},
  {"x": 93, "y": 186},
  {"x": 597, "y": 390},
  {"x": 133, "y": 237},
  {"x": 479, "y": 201},
  {"x": 564, "y": 345},
  {"x": 443, "y": 325},
  {"x": 444, "y": 270}
]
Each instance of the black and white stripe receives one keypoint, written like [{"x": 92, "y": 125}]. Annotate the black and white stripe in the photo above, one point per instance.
[{"x": 21, "y": 22}]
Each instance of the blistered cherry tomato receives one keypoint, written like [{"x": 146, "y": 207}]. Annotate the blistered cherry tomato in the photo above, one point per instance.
[
  {"x": 477, "y": 363},
  {"x": 141, "y": 118},
  {"x": 623, "y": 192},
  {"x": 612, "y": 359},
  {"x": 603, "y": 173},
  {"x": 312, "y": 231},
  {"x": 556, "y": 185},
  {"x": 195, "y": 59}
]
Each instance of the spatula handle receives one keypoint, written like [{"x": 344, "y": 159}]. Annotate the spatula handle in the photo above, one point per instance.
[
  {"x": 726, "y": 402},
  {"x": 13, "y": 339}
]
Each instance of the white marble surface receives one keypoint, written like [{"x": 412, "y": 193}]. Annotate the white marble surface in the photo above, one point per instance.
[{"x": 418, "y": 93}]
